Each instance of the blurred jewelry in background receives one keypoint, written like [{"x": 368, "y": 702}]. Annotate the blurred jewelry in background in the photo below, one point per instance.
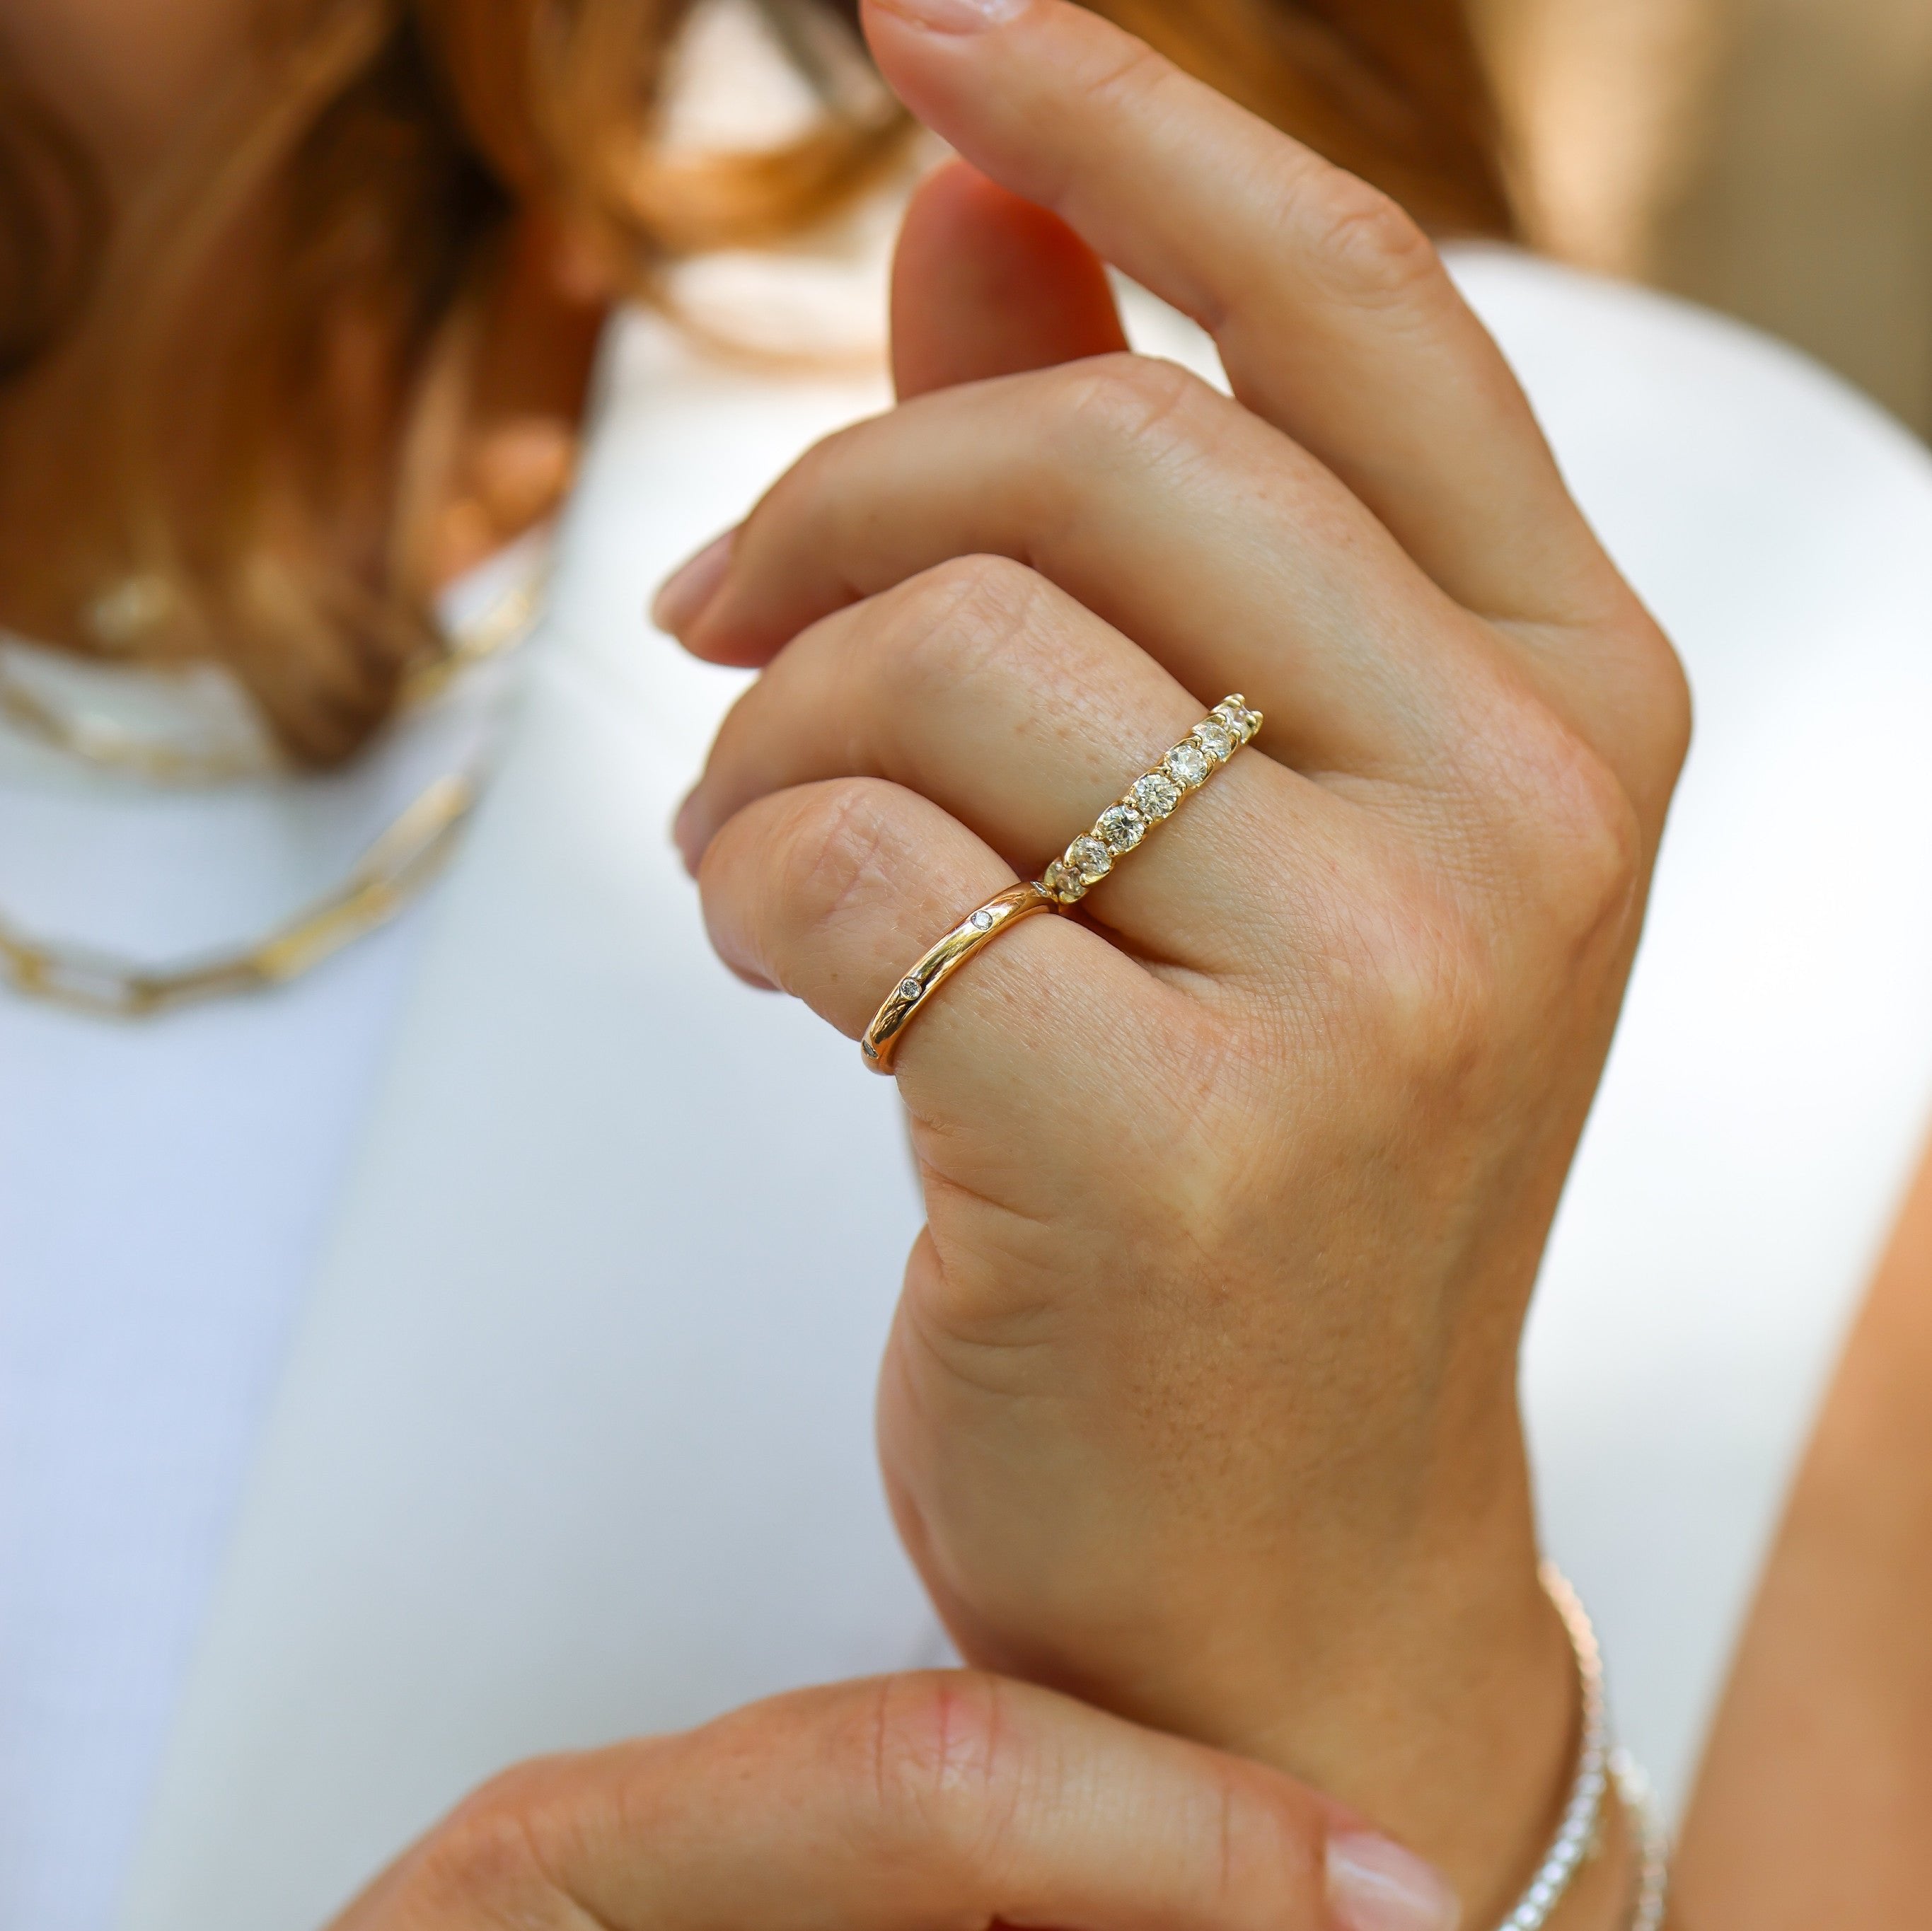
[
  {"x": 166, "y": 771},
  {"x": 1769, "y": 158},
  {"x": 162, "y": 842}
]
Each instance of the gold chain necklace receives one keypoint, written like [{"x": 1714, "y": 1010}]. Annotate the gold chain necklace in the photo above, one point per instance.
[{"x": 406, "y": 856}]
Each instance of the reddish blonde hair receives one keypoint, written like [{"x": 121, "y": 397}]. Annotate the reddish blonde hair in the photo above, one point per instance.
[{"x": 384, "y": 152}]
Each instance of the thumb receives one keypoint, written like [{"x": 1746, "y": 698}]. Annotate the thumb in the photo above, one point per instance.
[
  {"x": 986, "y": 284},
  {"x": 917, "y": 1803}
]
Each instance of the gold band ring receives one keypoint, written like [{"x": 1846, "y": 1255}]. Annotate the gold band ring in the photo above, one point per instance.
[
  {"x": 1153, "y": 797},
  {"x": 979, "y": 927}
]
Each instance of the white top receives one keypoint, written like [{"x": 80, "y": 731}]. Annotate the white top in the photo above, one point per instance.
[
  {"x": 582, "y": 1248},
  {"x": 164, "y": 1188}
]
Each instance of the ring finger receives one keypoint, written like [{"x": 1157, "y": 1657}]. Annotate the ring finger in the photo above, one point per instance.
[
  {"x": 830, "y": 891},
  {"x": 995, "y": 694}
]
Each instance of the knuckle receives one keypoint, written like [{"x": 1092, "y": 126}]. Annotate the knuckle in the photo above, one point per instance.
[
  {"x": 1272, "y": 1839},
  {"x": 960, "y": 618},
  {"x": 1665, "y": 691},
  {"x": 1135, "y": 74},
  {"x": 1586, "y": 842},
  {"x": 1110, "y": 405},
  {"x": 816, "y": 469},
  {"x": 933, "y": 1762},
  {"x": 1441, "y": 991},
  {"x": 833, "y": 846},
  {"x": 1369, "y": 245},
  {"x": 487, "y": 1853}
]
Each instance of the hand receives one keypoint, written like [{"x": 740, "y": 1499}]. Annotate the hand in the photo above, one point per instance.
[
  {"x": 942, "y": 1799},
  {"x": 1201, "y": 1399}
]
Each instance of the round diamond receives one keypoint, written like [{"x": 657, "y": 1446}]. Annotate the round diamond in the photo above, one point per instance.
[
  {"x": 1154, "y": 796},
  {"x": 1061, "y": 882},
  {"x": 981, "y": 921},
  {"x": 1188, "y": 765},
  {"x": 1088, "y": 859},
  {"x": 1120, "y": 828},
  {"x": 1214, "y": 736},
  {"x": 910, "y": 988},
  {"x": 1242, "y": 722}
]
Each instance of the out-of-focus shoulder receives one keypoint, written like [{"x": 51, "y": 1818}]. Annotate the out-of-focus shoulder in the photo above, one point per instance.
[
  {"x": 1590, "y": 347},
  {"x": 1766, "y": 1094},
  {"x": 1658, "y": 409}
]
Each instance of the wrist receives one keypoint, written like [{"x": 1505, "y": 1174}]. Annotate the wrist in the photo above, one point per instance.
[{"x": 1436, "y": 1692}]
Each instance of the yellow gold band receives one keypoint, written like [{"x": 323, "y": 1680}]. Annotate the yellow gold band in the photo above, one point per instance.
[
  {"x": 979, "y": 927},
  {"x": 1153, "y": 797}
]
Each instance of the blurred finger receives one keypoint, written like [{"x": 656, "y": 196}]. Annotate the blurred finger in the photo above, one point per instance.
[{"x": 986, "y": 284}]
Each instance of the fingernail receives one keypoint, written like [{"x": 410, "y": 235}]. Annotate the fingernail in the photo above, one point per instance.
[
  {"x": 955, "y": 17},
  {"x": 1376, "y": 1885},
  {"x": 681, "y": 597},
  {"x": 686, "y": 833}
]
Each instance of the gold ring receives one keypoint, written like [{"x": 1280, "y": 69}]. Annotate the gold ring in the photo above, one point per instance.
[
  {"x": 979, "y": 927},
  {"x": 1153, "y": 798}
]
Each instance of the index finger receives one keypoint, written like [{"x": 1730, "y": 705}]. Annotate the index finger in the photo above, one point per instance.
[{"x": 1334, "y": 317}]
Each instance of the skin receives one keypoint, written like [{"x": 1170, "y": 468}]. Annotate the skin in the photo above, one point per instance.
[
  {"x": 1201, "y": 1399},
  {"x": 1811, "y": 1808},
  {"x": 124, "y": 77},
  {"x": 944, "y": 1800}
]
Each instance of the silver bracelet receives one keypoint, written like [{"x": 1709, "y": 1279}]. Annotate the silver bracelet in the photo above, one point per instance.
[
  {"x": 1578, "y": 1830},
  {"x": 1599, "y": 1763},
  {"x": 1651, "y": 1889}
]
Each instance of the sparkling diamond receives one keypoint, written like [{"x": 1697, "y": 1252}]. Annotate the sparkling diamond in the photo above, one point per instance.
[
  {"x": 1242, "y": 722},
  {"x": 910, "y": 988},
  {"x": 1155, "y": 795},
  {"x": 981, "y": 921},
  {"x": 1216, "y": 737},
  {"x": 1062, "y": 884},
  {"x": 1088, "y": 859},
  {"x": 1120, "y": 828},
  {"x": 1188, "y": 765}
]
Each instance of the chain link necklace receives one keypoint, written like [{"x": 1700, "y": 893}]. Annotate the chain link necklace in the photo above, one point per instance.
[{"x": 390, "y": 872}]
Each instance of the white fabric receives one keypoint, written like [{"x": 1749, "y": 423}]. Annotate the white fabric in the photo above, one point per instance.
[
  {"x": 163, "y": 1194},
  {"x": 164, "y": 1189},
  {"x": 574, "y": 1437},
  {"x": 583, "y": 1392}
]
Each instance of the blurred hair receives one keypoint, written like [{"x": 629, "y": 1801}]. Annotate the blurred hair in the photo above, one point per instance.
[{"x": 383, "y": 149}]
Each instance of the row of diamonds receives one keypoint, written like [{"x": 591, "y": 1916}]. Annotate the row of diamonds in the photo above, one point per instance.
[{"x": 1150, "y": 797}]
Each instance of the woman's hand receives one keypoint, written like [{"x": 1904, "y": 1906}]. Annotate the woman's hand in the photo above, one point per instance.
[
  {"x": 1201, "y": 1400},
  {"x": 940, "y": 1800}
]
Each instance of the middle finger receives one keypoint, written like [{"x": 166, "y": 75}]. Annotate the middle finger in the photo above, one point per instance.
[{"x": 1206, "y": 536}]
